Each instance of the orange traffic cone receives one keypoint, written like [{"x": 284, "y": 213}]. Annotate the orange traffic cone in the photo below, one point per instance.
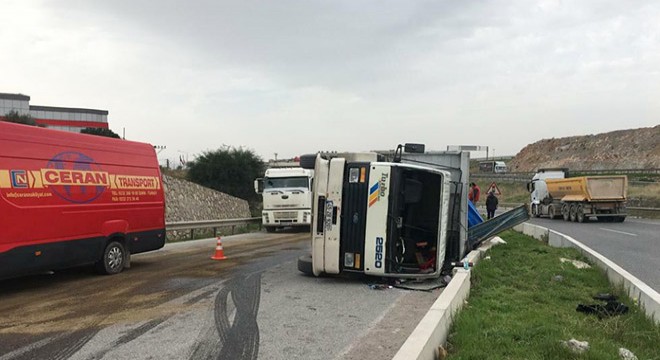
[{"x": 219, "y": 253}]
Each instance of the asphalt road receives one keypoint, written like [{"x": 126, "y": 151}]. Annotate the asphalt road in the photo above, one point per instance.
[
  {"x": 634, "y": 244},
  {"x": 177, "y": 303}
]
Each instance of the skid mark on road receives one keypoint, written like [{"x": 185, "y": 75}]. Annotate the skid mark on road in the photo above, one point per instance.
[
  {"x": 235, "y": 333},
  {"x": 619, "y": 232}
]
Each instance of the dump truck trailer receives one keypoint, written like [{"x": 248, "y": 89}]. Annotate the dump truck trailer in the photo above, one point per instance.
[{"x": 555, "y": 195}]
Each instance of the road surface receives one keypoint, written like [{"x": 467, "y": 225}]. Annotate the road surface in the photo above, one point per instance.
[
  {"x": 177, "y": 303},
  {"x": 634, "y": 244}
]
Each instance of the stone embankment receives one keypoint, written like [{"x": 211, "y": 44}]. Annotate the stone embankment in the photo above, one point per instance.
[{"x": 187, "y": 201}]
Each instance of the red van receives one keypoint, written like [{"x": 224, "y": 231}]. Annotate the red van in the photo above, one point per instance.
[{"x": 71, "y": 199}]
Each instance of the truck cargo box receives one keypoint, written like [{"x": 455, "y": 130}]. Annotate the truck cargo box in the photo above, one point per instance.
[{"x": 589, "y": 188}]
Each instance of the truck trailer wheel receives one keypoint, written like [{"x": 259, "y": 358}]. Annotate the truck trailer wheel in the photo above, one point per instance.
[
  {"x": 565, "y": 212},
  {"x": 305, "y": 265},
  {"x": 308, "y": 161},
  {"x": 579, "y": 214},
  {"x": 113, "y": 258},
  {"x": 551, "y": 212},
  {"x": 573, "y": 212}
]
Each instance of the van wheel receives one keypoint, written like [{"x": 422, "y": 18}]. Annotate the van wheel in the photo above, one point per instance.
[
  {"x": 308, "y": 161},
  {"x": 113, "y": 259},
  {"x": 305, "y": 264}
]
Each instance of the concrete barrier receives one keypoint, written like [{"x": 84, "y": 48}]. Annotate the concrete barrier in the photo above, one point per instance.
[{"x": 432, "y": 331}]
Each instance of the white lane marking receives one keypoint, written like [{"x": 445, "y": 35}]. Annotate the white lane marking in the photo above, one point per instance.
[{"x": 619, "y": 232}]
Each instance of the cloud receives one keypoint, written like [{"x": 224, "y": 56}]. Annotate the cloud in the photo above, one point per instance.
[{"x": 300, "y": 76}]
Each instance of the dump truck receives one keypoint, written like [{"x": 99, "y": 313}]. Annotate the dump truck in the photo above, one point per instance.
[
  {"x": 398, "y": 214},
  {"x": 555, "y": 195}
]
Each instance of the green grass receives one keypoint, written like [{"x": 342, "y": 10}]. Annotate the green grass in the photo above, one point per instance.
[{"x": 517, "y": 311}]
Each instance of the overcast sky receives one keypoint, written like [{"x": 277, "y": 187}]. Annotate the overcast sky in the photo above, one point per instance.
[{"x": 293, "y": 77}]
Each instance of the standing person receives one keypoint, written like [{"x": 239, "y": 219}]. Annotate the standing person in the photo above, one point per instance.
[
  {"x": 491, "y": 204},
  {"x": 475, "y": 191}
]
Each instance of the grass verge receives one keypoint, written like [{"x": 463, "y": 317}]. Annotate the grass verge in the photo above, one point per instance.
[{"x": 517, "y": 310}]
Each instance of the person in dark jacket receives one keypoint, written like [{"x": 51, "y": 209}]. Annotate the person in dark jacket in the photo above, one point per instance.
[{"x": 491, "y": 204}]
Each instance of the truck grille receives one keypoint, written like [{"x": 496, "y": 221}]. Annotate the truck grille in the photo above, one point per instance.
[
  {"x": 354, "y": 212},
  {"x": 285, "y": 215}
]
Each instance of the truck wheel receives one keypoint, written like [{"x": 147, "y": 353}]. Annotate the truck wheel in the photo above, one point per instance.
[
  {"x": 113, "y": 258},
  {"x": 535, "y": 211},
  {"x": 308, "y": 161},
  {"x": 579, "y": 214},
  {"x": 565, "y": 212},
  {"x": 551, "y": 212},
  {"x": 270, "y": 229},
  {"x": 573, "y": 213},
  {"x": 305, "y": 264}
]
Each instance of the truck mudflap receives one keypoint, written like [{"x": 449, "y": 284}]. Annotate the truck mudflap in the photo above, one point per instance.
[{"x": 480, "y": 232}]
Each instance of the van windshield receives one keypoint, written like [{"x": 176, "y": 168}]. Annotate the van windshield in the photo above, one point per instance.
[{"x": 286, "y": 182}]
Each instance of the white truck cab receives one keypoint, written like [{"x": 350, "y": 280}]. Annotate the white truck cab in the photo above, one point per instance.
[
  {"x": 390, "y": 219},
  {"x": 286, "y": 196}
]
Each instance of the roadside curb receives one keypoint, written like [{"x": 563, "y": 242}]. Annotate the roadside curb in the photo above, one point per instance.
[{"x": 433, "y": 330}]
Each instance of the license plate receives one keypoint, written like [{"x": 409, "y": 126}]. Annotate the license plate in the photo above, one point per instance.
[{"x": 329, "y": 206}]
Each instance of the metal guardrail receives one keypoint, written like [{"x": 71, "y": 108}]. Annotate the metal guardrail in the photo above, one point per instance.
[
  {"x": 511, "y": 205},
  {"x": 210, "y": 224}
]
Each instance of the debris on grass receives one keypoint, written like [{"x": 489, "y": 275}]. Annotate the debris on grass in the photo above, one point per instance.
[
  {"x": 626, "y": 354},
  {"x": 558, "y": 278},
  {"x": 577, "y": 263},
  {"x": 487, "y": 258},
  {"x": 576, "y": 346},
  {"x": 497, "y": 240}
]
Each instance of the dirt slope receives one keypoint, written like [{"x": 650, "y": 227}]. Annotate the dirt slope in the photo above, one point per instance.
[{"x": 622, "y": 149}]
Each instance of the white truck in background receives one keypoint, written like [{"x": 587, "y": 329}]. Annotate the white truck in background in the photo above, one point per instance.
[{"x": 287, "y": 197}]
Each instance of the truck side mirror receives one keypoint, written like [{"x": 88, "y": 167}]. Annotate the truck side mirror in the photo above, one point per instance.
[{"x": 259, "y": 185}]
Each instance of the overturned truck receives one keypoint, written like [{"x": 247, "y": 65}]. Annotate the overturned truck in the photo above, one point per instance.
[{"x": 400, "y": 213}]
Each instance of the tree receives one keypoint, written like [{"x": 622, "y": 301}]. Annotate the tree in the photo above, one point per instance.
[
  {"x": 15, "y": 117},
  {"x": 229, "y": 170},
  {"x": 100, "y": 132}
]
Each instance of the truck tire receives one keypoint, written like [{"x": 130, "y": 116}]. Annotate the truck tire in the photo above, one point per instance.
[
  {"x": 565, "y": 212},
  {"x": 305, "y": 265},
  {"x": 573, "y": 212},
  {"x": 308, "y": 161},
  {"x": 535, "y": 211},
  {"x": 579, "y": 214},
  {"x": 551, "y": 212},
  {"x": 113, "y": 259}
]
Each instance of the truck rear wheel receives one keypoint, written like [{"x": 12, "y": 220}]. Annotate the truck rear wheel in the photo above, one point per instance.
[
  {"x": 565, "y": 212},
  {"x": 551, "y": 212},
  {"x": 113, "y": 259},
  {"x": 573, "y": 212},
  {"x": 305, "y": 264},
  {"x": 579, "y": 213}
]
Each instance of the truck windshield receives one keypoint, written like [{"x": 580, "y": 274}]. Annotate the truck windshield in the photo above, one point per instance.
[{"x": 286, "y": 182}]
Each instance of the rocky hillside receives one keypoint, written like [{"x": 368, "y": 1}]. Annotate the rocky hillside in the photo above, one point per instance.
[{"x": 622, "y": 149}]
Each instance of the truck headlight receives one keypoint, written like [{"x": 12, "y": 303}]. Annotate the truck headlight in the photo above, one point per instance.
[{"x": 349, "y": 260}]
